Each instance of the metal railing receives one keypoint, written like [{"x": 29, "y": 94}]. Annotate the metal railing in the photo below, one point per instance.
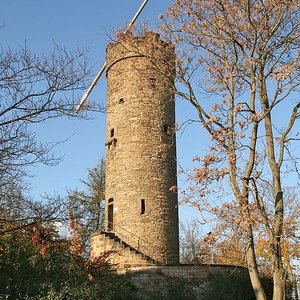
[{"x": 140, "y": 244}]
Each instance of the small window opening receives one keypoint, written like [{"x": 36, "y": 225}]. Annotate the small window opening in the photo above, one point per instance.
[
  {"x": 121, "y": 100},
  {"x": 153, "y": 82},
  {"x": 167, "y": 129},
  {"x": 110, "y": 200},
  {"x": 143, "y": 206},
  {"x": 112, "y": 132}
]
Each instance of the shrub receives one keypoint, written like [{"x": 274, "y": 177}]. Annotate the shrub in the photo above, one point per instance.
[
  {"x": 235, "y": 286},
  {"x": 47, "y": 270}
]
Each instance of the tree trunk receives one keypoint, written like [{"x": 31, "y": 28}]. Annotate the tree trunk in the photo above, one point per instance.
[
  {"x": 279, "y": 284},
  {"x": 277, "y": 266},
  {"x": 252, "y": 266},
  {"x": 293, "y": 280},
  {"x": 278, "y": 269}
]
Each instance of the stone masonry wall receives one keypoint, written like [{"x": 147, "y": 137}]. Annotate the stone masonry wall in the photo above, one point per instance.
[
  {"x": 140, "y": 147},
  {"x": 160, "y": 279}
]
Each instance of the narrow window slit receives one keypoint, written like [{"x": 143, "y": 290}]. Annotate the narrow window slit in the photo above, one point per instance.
[
  {"x": 112, "y": 132},
  {"x": 166, "y": 128},
  {"x": 143, "y": 206}
]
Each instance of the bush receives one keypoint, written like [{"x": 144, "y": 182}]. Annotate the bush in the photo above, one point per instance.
[
  {"x": 236, "y": 286},
  {"x": 48, "y": 271}
]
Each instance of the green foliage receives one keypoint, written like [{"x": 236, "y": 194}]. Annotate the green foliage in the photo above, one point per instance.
[
  {"x": 88, "y": 205},
  {"x": 179, "y": 291},
  {"x": 34, "y": 268}
]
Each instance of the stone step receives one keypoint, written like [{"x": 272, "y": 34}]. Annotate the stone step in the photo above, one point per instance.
[{"x": 135, "y": 256}]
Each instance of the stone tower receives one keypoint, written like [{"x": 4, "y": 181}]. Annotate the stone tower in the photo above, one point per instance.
[{"x": 141, "y": 205}]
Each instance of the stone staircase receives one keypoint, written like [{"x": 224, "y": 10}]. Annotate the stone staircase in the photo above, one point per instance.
[{"x": 123, "y": 255}]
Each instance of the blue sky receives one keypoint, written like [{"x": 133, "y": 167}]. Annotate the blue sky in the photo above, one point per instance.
[{"x": 87, "y": 24}]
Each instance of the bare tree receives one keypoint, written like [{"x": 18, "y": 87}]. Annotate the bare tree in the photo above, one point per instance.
[
  {"x": 19, "y": 211},
  {"x": 190, "y": 242},
  {"x": 32, "y": 90},
  {"x": 238, "y": 66}
]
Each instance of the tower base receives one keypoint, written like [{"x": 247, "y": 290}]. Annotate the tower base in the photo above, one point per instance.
[{"x": 121, "y": 255}]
